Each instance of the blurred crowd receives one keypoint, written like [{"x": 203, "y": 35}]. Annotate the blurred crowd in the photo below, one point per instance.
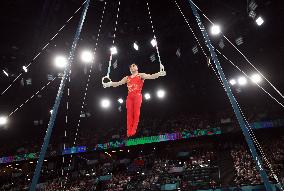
[{"x": 245, "y": 167}]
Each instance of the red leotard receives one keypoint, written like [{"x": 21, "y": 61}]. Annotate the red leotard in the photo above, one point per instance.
[{"x": 133, "y": 102}]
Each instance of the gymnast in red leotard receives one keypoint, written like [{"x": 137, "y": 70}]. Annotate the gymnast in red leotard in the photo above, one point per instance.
[{"x": 134, "y": 99}]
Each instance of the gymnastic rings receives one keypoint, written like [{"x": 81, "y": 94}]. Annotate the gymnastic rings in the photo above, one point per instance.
[
  {"x": 162, "y": 68},
  {"x": 104, "y": 82}
]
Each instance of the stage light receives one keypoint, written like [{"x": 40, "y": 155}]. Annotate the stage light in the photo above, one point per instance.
[
  {"x": 135, "y": 46},
  {"x": 147, "y": 96},
  {"x": 120, "y": 100},
  {"x": 256, "y": 78},
  {"x": 215, "y": 29},
  {"x": 25, "y": 69},
  {"x": 6, "y": 73},
  {"x": 87, "y": 56},
  {"x": 113, "y": 50},
  {"x": 3, "y": 120},
  {"x": 161, "y": 93},
  {"x": 233, "y": 82},
  {"x": 252, "y": 14},
  {"x": 60, "y": 61},
  {"x": 154, "y": 42},
  {"x": 242, "y": 81},
  {"x": 105, "y": 103},
  {"x": 259, "y": 21},
  {"x": 50, "y": 111}
]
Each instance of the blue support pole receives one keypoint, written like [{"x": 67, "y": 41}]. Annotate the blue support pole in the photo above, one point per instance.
[
  {"x": 233, "y": 100},
  {"x": 58, "y": 99}
]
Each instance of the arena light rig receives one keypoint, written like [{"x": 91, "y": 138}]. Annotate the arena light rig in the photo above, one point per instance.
[
  {"x": 87, "y": 56},
  {"x": 259, "y": 21},
  {"x": 105, "y": 103},
  {"x": 147, "y": 96},
  {"x": 161, "y": 94},
  {"x": 215, "y": 30},
  {"x": 242, "y": 81},
  {"x": 256, "y": 78},
  {"x": 60, "y": 61},
  {"x": 3, "y": 120},
  {"x": 120, "y": 100},
  {"x": 233, "y": 82}
]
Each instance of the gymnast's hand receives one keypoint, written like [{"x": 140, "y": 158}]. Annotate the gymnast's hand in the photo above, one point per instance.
[{"x": 107, "y": 85}]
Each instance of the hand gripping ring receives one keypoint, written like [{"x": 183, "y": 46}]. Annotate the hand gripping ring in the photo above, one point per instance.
[{"x": 103, "y": 79}]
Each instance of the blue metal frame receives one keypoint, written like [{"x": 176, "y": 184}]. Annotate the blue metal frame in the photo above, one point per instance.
[
  {"x": 232, "y": 99},
  {"x": 58, "y": 99}
]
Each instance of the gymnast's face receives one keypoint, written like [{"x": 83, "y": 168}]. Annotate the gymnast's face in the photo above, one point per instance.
[{"x": 133, "y": 68}]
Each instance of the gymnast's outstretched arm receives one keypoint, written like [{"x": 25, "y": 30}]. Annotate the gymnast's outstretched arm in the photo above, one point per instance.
[
  {"x": 115, "y": 84},
  {"x": 152, "y": 76}
]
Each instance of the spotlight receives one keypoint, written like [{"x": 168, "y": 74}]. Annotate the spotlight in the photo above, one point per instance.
[
  {"x": 135, "y": 46},
  {"x": 147, "y": 96},
  {"x": 113, "y": 50},
  {"x": 87, "y": 56},
  {"x": 233, "y": 82},
  {"x": 161, "y": 93},
  {"x": 242, "y": 81},
  {"x": 154, "y": 42},
  {"x": 105, "y": 103},
  {"x": 259, "y": 21},
  {"x": 51, "y": 111},
  {"x": 256, "y": 78},
  {"x": 120, "y": 100},
  {"x": 60, "y": 61},
  {"x": 3, "y": 120},
  {"x": 252, "y": 14},
  {"x": 25, "y": 69},
  {"x": 215, "y": 29},
  {"x": 6, "y": 73}
]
